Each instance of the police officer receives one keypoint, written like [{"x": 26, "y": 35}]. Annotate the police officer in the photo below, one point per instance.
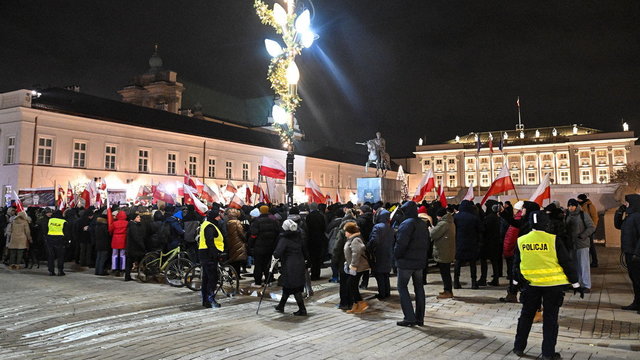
[
  {"x": 56, "y": 238},
  {"x": 542, "y": 264},
  {"x": 210, "y": 245}
]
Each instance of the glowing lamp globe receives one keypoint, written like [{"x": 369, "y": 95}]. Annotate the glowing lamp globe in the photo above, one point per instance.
[
  {"x": 273, "y": 48},
  {"x": 293, "y": 74},
  {"x": 279, "y": 115},
  {"x": 280, "y": 14}
]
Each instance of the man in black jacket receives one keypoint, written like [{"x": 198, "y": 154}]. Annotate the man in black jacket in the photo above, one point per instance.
[
  {"x": 317, "y": 240},
  {"x": 262, "y": 242},
  {"x": 630, "y": 243},
  {"x": 210, "y": 245},
  {"x": 410, "y": 251}
]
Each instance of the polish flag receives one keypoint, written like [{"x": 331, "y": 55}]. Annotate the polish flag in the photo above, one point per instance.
[
  {"x": 190, "y": 198},
  {"x": 542, "y": 192},
  {"x": 231, "y": 187},
  {"x": 256, "y": 187},
  {"x": 236, "y": 202},
  {"x": 313, "y": 191},
  {"x": 490, "y": 143},
  {"x": 70, "y": 198},
  {"x": 426, "y": 184},
  {"x": 264, "y": 197},
  {"x": 209, "y": 194},
  {"x": 469, "y": 196},
  {"x": 247, "y": 194},
  {"x": 328, "y": 200},
  {"x": 199, "y": 185},
  {"x": 89, "y": 193},
  {"x": 60, "y": 204},
  {"x": 188, "y": 180},
  {"x": 161, "y": 193},
  {"x": 272, "y": 193},
  {"x": 442, "y": 196},
  {"x": 501, "y": 184},
  {"x": 16, "y": 199},
  {"x": 271, "y": 168}
]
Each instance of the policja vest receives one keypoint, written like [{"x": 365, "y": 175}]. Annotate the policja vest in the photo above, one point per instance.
[
  {"x": 56, "y": 227},
  {"x": 218, "y": 241},
  {"x": 539, "y": 260}
]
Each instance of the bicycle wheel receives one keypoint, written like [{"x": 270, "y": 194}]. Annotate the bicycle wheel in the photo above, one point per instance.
[
  {"x": 228, "y": 280},
  {"x": 149, "y": 266},
  {"x": 175, "y": 271},
  {"x": 193, "y": 278}
]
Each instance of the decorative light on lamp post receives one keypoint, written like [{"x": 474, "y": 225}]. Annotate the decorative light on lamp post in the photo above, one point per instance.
[
  {"x": 625, "y": 126},
  {"x": 283, "y": 72}
]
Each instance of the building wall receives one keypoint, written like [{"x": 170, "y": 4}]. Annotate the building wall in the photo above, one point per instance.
[{"x": 65, "y": 131}]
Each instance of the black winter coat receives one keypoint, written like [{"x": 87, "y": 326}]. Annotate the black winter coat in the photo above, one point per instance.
[
  {"x": 365, "y": 223},
  {"x": 629, "y": 226},
  {"x": 292, "y": 252},
  {"x": 469, "y": 229},
  {"x": 264, "y": 235},
  {"x": 316, "y": 228},
  {"x": 491, "y": 242},
  {"x": 136, "y": 235},
  {"x": 381, "y": 240},
  {"x": 412, "y": 240},
  {"x": 101, "y": 235}
]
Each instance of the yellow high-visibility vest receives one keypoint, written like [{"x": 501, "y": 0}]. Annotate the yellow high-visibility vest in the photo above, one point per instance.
[
  {"x": 56, "y": 227},
  {"x": 218, "y": 241},
  {"x": 539, "y": 260}
]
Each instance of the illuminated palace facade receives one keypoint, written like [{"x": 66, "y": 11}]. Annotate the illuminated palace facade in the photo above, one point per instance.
[{"x": 571, "y": 154}]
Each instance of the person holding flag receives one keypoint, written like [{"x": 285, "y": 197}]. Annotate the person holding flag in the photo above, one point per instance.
[{"x": 58, "y": 234}]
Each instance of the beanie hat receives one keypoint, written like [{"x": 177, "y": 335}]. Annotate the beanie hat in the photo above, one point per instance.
[
  {"x": 573, "y": 202},
  {"x": 539, "y": 220},
  {"x": 366, "y": 209},
  {"x": 422, "y": 210},
  {"x": 294, "y": 211},
  {"x": 495, "y": 208},
  {"x": 254, "y": 213},
  {"x": 441, "y": 212},
  {"x": 264, "y": 209},
  {"x": 351, "y": 228},
  {"x": 313, "y": 206},
  {"x": 582, "y": 197},
  {"x": 289, "y": 225},
  {"x": 519, "y": 205}
]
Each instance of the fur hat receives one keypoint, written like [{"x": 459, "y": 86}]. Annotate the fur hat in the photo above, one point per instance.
[
  {"x": 264, "y": 209},
  {"x": 351, "y": 228}
]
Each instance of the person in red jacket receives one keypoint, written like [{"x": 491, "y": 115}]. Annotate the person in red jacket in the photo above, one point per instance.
[{"x": 118, "y": 232}]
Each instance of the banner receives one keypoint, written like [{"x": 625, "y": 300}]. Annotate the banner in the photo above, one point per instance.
[
  {"x": 37, "y": 197},
  {"x": 117, "y": 196}
]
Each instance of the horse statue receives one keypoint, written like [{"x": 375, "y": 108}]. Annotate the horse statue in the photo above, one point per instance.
[{"x": 380, "y": 159}]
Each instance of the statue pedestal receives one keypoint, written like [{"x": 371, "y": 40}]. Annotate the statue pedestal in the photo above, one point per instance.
[{"x": 379, "y": 189}]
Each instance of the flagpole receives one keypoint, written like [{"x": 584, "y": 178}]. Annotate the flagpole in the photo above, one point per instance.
[{"x": 519, "y": 115}]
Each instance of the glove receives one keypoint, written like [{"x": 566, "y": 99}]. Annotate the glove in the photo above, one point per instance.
[{"x": 579, "y": 290}]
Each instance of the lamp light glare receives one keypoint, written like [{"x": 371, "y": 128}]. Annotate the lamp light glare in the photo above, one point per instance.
[
  {"x": 505, "y": 135},
  {"x": 280, "y": 14},
  {"x": 625, "y": 126},
  {"x": 279, "y": 115},
  {"x": 457, "y": 138},
  {"x": 537, "y": 133},
  {"x": 306, "y": 38},
  {"x": 303, "y": 22},
  {"x": 575, "y": 129},
  {"x": 293, "y": 74},
  {"x": 521, "y": 134},
  {"x": 273, "y": 48}
]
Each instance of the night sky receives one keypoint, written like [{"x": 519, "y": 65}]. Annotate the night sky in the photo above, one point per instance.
[{"x": 410, "y": 69}]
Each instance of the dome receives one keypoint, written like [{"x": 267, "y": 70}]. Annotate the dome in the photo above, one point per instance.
[{"x": 155, "y": 61}]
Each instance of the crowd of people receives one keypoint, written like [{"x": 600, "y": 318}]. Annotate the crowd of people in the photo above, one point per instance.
[{"x": 369, "y": 240}]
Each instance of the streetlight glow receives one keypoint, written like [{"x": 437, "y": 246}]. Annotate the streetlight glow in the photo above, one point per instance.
[
  {"x": 307, "y": 38},
  {"x": 280, "y": 14},
  {"x": 303, "y": 21},
  {"x": 293, "y": 74},
  {"x": 273, "y": 48},
  {"x": 279, "y": 115}
]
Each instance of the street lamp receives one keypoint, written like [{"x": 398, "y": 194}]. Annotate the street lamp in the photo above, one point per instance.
[{"x": 283, "y": 72}]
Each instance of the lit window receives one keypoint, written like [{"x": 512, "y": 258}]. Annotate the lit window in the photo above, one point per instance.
[
  {"x": 603, "y": 176},
  {"x": 212, "y": 168},
  {"x": 228, "y": 170},
  {"x": 45, "y": 150},
  {"x": 470, "y": 179},
  {"x": 531, "y": 178},
  {"x": 171, "y": 163},
  {"x": 516, "y": 178},
  {"x": 452, "y": 181},
  {"x": 11, "y": 150},
  {"x": 585, "y": 176},
  {"x": 143, "y": 161},
  {"x": 484, "y": 180},
  {"x": 564, "y": 177},
  {"x": 193, "y": 165},
  {"x": 110, "y": 157},
  {"x": 79, "y": 154},
  {"x": 245, "y": 171}
]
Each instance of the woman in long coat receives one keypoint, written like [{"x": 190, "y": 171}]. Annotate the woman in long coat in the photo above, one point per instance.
[
  {"x": 293, "y": 254},
  {"x": 469, "y": 229},
  {"x": 19, "y": 239},
  {"x": 236, "y": 240}
]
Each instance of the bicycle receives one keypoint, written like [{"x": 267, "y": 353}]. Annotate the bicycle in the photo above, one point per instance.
[
  {"x": 172, "y": 264},
  {"x": 228, "y": 279}
]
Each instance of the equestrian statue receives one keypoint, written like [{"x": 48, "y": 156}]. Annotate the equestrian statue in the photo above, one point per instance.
[{"x": 378, "y": 155}]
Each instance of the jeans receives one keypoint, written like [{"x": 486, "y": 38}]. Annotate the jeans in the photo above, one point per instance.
[
  {"x": 345, "y": 300},
  {"x": 410, "y": 315},
  {"x": 484, "y": 268},
  {"x": 118, "y": 259},
  {"x": 583, "y": 266},
  {"x": 101, "y": 261},
  {"x": 56, "y": 248},
  {"x": 445, "y": 273},
  {"x": 384, "y": 286},
  {"x": 633, "y": 267},
  {"x": 532, "y": 297}
]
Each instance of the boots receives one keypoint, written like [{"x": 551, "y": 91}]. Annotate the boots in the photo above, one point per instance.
[
  {"x": 445, "y": 295},
  {"x": 510, "y": 298},
  {"x": 474, "y": 284},
  {"x": 354, "y": 308},
  {"x": 495, "y": 281},
  {"x": 361, "y": 307},
  {"x": 302, "y": 311},
  {"x": 482, "y": 282},
  {"x": 283, "y": 300},
  {"x": 456, "y": 284}
]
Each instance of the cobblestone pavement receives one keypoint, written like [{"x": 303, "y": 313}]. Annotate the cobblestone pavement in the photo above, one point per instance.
[{"x": 81, "y": 316}]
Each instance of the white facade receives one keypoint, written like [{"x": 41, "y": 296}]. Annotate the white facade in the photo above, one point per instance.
[{"x": 40, "y": 148}]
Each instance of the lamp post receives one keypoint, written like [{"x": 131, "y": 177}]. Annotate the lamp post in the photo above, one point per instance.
[{"x": 283, "y": 72}]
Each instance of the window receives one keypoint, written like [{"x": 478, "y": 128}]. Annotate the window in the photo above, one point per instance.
[
  {"x": 618, "y": 156},
  {"x": 516, "y": 178},
  {"x": 438, "y": 179},
  {"x": 452, "y": 161},
  {"x": 514, "y": 161},
  {"x": 212, "y": 168},
  {"x": 322, "y": 179},
  {"x": 484, "y": 179},
  {"x": 439, "y": 162},
  {"x": 585, "y": 159},
  {"x": 585, "y": 176},
  {"x": 452, "y": 181},
  {"x": 171, "y": 163},
  {"x": 11, "y": 150},
  {"x": 245, "y": 171},
  {"x": 143, "y": 161},
  {"x": 470, "y": 179},
  {"x": 193, "y": 165},
  {"x": 79, "y": 154},
  {"x": 45, "y": 150},
  {"x": 332, "y": 180},
  {"x": 564, "y": 177},
  {"x": 563, "y": 156},
  {"x": 228, "y": 169},
  {"x": 601, "y": 157},
  {"x": 110, "y": 157},
  {"x": 603, "y": 176},
  {"x": 531, "y": 178},
  {"x": 427, "y": 162}
]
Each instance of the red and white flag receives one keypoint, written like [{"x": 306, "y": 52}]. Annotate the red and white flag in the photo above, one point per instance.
[
  {"x": 16, "y": 199},
  {"x": 501, "y": 184},
  {"x": 61, "y": 204},
  {"x": 256, "y": 187},
  {"x": 469, "y": 196},
  {"x": 209, "y": 194},
  {"x": 490, "y": 143},
  {"x": 314, "y": 192},
  {"x": 426, "y": 184},
  {"x": 71, "y": 201},
  {"x": 161, "y": 193},
  {"x": 89, "y": 193},
  {"x": 247, "y": 194},
  {"x": 542, "y": 192},
  {"x": 328, "y": 200},
  {"x": 236, "y": 202},
  {"x": 188, "y": 180},
  {"x": 271, "y": 168},
  {"x": 272, "y": 192},
  {"x": 264, "y": 197},
  {"x": 441, "y": 196},
  {"x": 190, "y": 198},
  {"x": 199, "y": 185},
  {"x": 230, "y": 187}
]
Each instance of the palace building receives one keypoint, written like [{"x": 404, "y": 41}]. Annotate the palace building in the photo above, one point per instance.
[{"x": 54, "y": 136}]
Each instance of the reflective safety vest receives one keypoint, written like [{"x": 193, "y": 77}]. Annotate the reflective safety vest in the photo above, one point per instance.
[
  {"x": 539, "y": 260},
  {"x": 218, "y": 241},
  {"x": 56, "y": 227}
]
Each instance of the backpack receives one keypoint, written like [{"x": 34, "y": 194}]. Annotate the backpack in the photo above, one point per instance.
[{"x": 163, "y": 234}]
